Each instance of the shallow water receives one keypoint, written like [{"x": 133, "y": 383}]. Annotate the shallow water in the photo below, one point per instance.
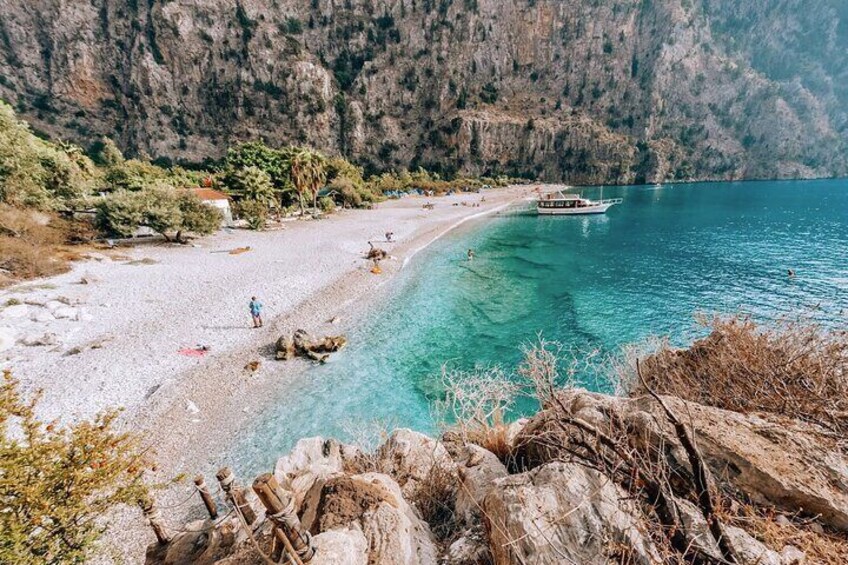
[{"x": 646, "y": 268}]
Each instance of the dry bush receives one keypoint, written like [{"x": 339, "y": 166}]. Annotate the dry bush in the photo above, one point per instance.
[
  {"x": 823, "y": 549},
  {"x": 435, "y": 499},
  {"x": 795, "y": 369},
  {"x": 368, "y": 436},
  {"x": 475, "y": 408},
  {"x": 30, "y": 243}
]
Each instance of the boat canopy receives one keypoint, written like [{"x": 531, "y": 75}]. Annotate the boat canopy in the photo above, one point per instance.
[{"x": 562, "y": 196}]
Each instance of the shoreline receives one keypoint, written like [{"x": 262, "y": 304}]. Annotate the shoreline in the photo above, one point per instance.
[{"x": 169, "y": 297}]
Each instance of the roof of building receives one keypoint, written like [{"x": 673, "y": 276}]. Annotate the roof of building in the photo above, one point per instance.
[{"x": 210, "y": 194}]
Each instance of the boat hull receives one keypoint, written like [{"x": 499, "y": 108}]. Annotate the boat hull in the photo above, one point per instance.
[{"x": 587, "y": 210}]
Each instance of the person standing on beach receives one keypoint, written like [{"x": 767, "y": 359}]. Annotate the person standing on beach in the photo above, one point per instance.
[{"x": 256, "y": 312}]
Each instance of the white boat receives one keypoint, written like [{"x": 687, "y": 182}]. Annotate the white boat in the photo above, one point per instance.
[{"x": 561, "y": 204}]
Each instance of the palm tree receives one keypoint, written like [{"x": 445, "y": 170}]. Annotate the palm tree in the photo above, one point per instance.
[{"x": 308, "y": 173}]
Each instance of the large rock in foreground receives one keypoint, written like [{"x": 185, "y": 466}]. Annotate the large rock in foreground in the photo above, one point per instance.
[
  {"x": 373, "y": 504},
  {"x": 564, "y": 513},
  {"x": 793, "y": 466}
]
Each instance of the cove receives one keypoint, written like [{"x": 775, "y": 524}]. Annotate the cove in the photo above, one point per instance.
[{"x": 592, "y": 283}]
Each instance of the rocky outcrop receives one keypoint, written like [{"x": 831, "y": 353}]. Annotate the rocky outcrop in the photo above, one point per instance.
[
  {"x": 301, "y": 344},
  {"x": 793, "y": 466},
  {"x": 550, "y": 505},
  {"x": 414, "y": 459},
  {"x": 478, "y": 470},
  {"x": 564, "y": 512},
  {"x": 587, "y": 92}
]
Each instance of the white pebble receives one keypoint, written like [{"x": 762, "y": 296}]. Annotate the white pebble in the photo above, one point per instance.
[
  {"x": 7, "y": 338},
  {"x": 14, "y": 312},
  {"x": 66, "y": 313}
]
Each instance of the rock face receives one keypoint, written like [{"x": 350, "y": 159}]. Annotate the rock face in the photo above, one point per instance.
[
  {"x": 563, "y": 512},
  {"x": 792, "y": 466},
  {"x": 581, "y": 91},
  {"x": 373, "y": 504},
  {"x": 368, "y": 509}
]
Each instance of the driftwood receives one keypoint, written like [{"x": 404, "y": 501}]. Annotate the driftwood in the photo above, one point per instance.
[{"x": 301, "y": 344}]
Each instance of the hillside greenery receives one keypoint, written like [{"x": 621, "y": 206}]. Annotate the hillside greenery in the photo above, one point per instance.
[{"x": 48, "y": 189}]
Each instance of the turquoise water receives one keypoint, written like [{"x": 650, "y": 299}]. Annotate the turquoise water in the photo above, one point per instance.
[{"x": 646, "y": 268}]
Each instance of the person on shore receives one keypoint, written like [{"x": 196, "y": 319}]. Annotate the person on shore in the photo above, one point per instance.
[
  {"x": 256, "y": 312},
  {"x": 389, "y": 236}
]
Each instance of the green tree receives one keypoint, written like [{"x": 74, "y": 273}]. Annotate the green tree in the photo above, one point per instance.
[
  {"x": 105, "y": 153},
  {"x": 275, "y": 162},
  {"x": 197, "y": 217},
  {"x": 134, "y": 175},
  {"x": 253, "y": 183},
  {"x": 119, "y": 214},
  {"x": 55, "y": 483},
  {"x": 37, "y": 173},
  {"x": 254, "y": 212},
  {"x": 308, "y": 174},
  {"x": 161, "y": 208}
]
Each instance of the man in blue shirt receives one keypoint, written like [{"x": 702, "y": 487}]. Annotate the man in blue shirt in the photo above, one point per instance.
[{"x": 256, "y": 312}]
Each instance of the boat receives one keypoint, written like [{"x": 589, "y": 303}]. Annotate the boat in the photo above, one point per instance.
[{"x": 561, "y": 204}]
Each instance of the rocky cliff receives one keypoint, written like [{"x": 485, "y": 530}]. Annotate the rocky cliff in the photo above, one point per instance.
[{"x": 587, "y": 92}]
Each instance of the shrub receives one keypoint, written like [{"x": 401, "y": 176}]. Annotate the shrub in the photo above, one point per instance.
[
  {"x": 161, "y": 208},
  {"x": 105, "y": 153},
  {"x": 794, "y": 368},
  {"x": 252, "y": 183},
  {"x": 475, "y": 407},
  {"x": 254, "y": 212},
  {"x": 29, "y": 243},
  {"x": 36, "y": 173},
  {"x": 57, "y": 482},
  {"x": 326, "y": 204}
]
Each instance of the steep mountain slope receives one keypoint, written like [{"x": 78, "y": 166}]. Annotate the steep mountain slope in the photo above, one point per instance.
[{"x": 586, "y": 91}]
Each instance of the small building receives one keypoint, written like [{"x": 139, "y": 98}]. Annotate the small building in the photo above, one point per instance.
[{"x": 216, "y": 199}]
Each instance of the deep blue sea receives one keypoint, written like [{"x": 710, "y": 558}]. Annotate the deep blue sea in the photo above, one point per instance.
[{"x": 595, "y": 283}]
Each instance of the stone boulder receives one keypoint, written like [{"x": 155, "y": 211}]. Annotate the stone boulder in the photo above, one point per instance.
[
  {"x": 563, "y": 513},
  {"x": 341, "y": 547},
  {"x": 7, "y": 338},
  {"x": 698, "y": 534},
  {"x": 791, "y": 465},
  {"x": 373, "y": 504},
  {"x": 470, "y": 548},
  {"x": 478, "y": 470},
  {"x": 301, "y": 344},
  {"x": 14, "y": 312},
  {"x": 413, "y": 459},
  {"x": 312, "y": 459}
]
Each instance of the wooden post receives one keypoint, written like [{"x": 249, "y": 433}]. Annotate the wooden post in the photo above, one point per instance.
[
  {"x": 154, "y": 518},
  {"x": 200, "y": 483},
  {"x": 280, "y": 507},
  {"x": 235, "y": 495}
]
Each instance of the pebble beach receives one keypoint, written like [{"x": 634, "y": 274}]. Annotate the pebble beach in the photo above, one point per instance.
[{"x": 114, "y": 332}]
